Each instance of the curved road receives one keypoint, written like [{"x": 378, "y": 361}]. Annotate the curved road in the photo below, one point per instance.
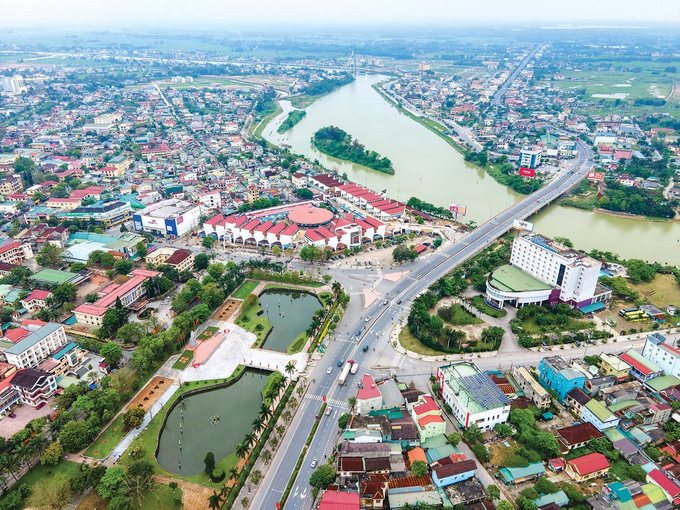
[{"x": 346, "y": 345}]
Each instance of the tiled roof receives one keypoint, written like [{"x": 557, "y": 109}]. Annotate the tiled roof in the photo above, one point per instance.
[{"x": 590, "y": 463}]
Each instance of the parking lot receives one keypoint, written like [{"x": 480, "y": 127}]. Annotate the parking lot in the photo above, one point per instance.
[{"x": 24, "y": 414}]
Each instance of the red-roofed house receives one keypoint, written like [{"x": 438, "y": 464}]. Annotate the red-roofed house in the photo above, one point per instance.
[
  {"x": 35, "y": 300},
  {"x": 588, "y": 466},
  {"x": 668, "y": 486},
  {"x": 333, "y": 500},
  {"x": 17, "y": 334},
  {"x": 15, "y": 253},
  {"x": 428, "y": 418},
  {"x": 369, "y": 397}
]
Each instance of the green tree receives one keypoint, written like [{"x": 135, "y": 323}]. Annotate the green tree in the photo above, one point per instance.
[
  {"x": 112, "y": 353},
  {"x": 133, "y": 418},
  {"x": 545, "y": 486},
  {"x": 112, "y": 484},
  {"x": 453, "y": 438},
  {"x": 322, "y": 477},
  {"x": 49, "y": 256},
  {"x": 52, "y": 455},
  {"x": 473, "y": 435},
  {"x": 494, "y": 492},
  {"x": 51, "y": 493},
  {"x": 75, "y": 436},
  {"x": 344, "y": 420},
  {"x": 419, "y": 468},
  {"x": 209, "y": 462},
  {"x": 201, "y": 262},
  {"x": 65, "y": 293},
  {"x": 123, "y": 266},
  {"x": 481, "y": 452},
  {"x": 209, "y": 242},
  {"x": 138, "y": 481},
  {"x": 142, "y": 250},
  {"x": 504, "y": 505}
]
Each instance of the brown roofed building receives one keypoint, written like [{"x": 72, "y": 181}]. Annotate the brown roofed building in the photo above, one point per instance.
[
  {"x": 411, "y": 481},
  {"x": 349, "y": 466},
  {"x": 181, "y": 260},
  {"x": 578, "y": 435},
  {"x": 377, "y": 465}
]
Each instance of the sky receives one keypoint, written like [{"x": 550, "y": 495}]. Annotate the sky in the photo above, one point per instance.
[{"x": 231, "y": 14}]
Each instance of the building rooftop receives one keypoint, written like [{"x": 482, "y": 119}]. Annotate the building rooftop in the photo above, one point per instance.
[
  {"x": 512, "y": 279},
  {"x": 474, "y": 388},
  {"x": 33, "y": 338}
]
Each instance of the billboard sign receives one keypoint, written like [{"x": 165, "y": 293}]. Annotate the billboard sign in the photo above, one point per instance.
[
  {"x": 458, "y": 209},
  {"x": 527, "y": 172},
  {"x": 595, "y": 176},
  {"x": 522, "y": 225}
]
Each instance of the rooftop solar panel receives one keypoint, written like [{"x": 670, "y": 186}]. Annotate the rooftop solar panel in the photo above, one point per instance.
[{"x": 484, "y": 391}]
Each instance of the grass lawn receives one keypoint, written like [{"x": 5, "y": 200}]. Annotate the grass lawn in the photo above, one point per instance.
[
  {"x": 257, "y": 132},
  {"x": 184, "y": 359},
  {"x": 40, "y": 472},
  {"x": 107, "y": 441},
  {"x": 162, "y": 497},
  {"x": 275, "y": 376},
  {"x": 530, "y": 327},
  {"x": 408, "y": 341},
  {"x": 297, "y": 344},
  {"x": 250, "y": 320},
  {"x": 461, "y": 317},
  {"x": 662, "y": 291},
  {"x": 479, "y": 304},
  {"x": 149, "y": 437},
  {"x": 207, "y": 333},
  {"x": 246, "y": 288},
  {"x": 325, "y": 298}
]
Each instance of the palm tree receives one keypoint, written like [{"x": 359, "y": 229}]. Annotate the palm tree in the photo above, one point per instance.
[
  {"x": 224, "y": 492},
  {"x": 266, "y": 456},
  {"x": 300, "y": 390},
  {"x": 290, "y": 368},
  {"x": 271, "y": 395},
  {"x": 23, "y": 452},
  {"x": 352, "y": 401},
  {"x": 233, "y": 474},
  {"x": 336, "y": 287},
  {"x": 265, "y": 412},
  {"x": 10, "y": 464},
  {"x": 293, "y": 402},
  {"x": 241, "y": 450},
  {"x": 39, "y": 444},
  {"x": 250, "y": 439},
  {"x": 258, "y": 423},
  {"x": 215, "y": 501},
  {"x": 286, "y": 415},
  {"x": 280, "y": 430}
]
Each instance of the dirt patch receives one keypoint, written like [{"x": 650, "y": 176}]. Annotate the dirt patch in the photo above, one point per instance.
[
  {"x": 93, "y": 501},
  {"x": 194, "y": 496},
  {"x": 224, "y": 312},
  {"x": 151, "y": 393}
]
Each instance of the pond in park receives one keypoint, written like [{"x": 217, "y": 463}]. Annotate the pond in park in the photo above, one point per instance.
[
  {"x": 213, "y": 420},
  {"x": 290, "y": 313}
]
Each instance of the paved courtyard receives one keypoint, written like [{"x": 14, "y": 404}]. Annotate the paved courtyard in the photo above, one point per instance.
[{"x": 235, "y": 350}]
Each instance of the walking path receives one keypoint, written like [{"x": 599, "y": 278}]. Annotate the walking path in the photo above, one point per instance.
[{"x": 127, "y": 440}]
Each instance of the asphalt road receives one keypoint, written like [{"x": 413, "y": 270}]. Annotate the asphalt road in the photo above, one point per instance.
[
  {"x": 499, "y": 93},
  {"x": 381, "y": 359}
]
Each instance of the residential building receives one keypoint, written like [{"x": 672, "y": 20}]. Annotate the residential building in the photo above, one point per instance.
[
  {"x": 555, "y": 374},
  {"x": 596, "y": 412},
  {"x": 181, "y": 260},
  {"x": 658, "y": 351},
  {"x": 428, "y": 418},
  {"x": 11, "y": 184},
  {"x": 531, "y": 388},
  {"x": 34, "y": 386},
  {"x": 613, "y": 365},
  {"x": 586, "y": 467},
  {"x": 128, "y": 292},
  {"x": 35, "y": 300},
  {"x": 8, "y": 396},
  {"x": 369, "y": 397},
  {"x": 37, "y": 346},
  {"x": 515, "y": 475},
  {"x": 472, "y": 395},
  {"x": 577, "y": 436},
  {"x": 576, "y": 399},
  {"x": 670, "y": 488},
  {"x": 530, "y": 157},
  {"x": 453, "y": 473},
  {"x": 640, "y": 367},
  {"x": 172, "y": 218},
  {"x": 12, "y": 252}
]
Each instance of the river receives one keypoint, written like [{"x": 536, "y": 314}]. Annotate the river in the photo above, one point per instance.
[{"x": 430, "y": 169}]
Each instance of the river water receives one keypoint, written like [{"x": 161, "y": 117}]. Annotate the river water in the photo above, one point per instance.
[{"x": 430, "y": 169}]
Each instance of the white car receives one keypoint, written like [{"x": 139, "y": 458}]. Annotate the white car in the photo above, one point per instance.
[
  {"x": 314, "y": 462},
  {"x": 330, "y": 369}
]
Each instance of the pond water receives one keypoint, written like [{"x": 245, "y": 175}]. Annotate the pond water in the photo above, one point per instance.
[
  {"x": 236, "y": 406},
  {"x": 290, "y": 313}
]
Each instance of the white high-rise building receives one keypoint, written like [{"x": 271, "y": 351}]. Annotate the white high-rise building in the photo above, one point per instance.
[{"x": 663, "y": 354}]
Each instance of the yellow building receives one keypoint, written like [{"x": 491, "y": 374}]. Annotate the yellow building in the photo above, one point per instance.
[{"x": 613, "y": 365}]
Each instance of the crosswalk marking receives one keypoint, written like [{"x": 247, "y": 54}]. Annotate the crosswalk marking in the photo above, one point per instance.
[{"x": 330, "y": 401}]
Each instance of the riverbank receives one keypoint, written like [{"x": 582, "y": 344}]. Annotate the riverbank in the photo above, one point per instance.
[
  {"x": 440, "y": 130},
  {"x": 255, "y": 131},
  {"x": 572, "y": 204}
]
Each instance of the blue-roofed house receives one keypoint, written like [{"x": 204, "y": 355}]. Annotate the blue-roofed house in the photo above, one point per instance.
[
  {"x": 515, "y": 475},
  {"x": 554, "y": 373}
]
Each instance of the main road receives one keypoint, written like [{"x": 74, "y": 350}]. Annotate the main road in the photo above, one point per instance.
[
  {"x": 513, "y": 76},
  {"x": 373, "y": 327}
]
